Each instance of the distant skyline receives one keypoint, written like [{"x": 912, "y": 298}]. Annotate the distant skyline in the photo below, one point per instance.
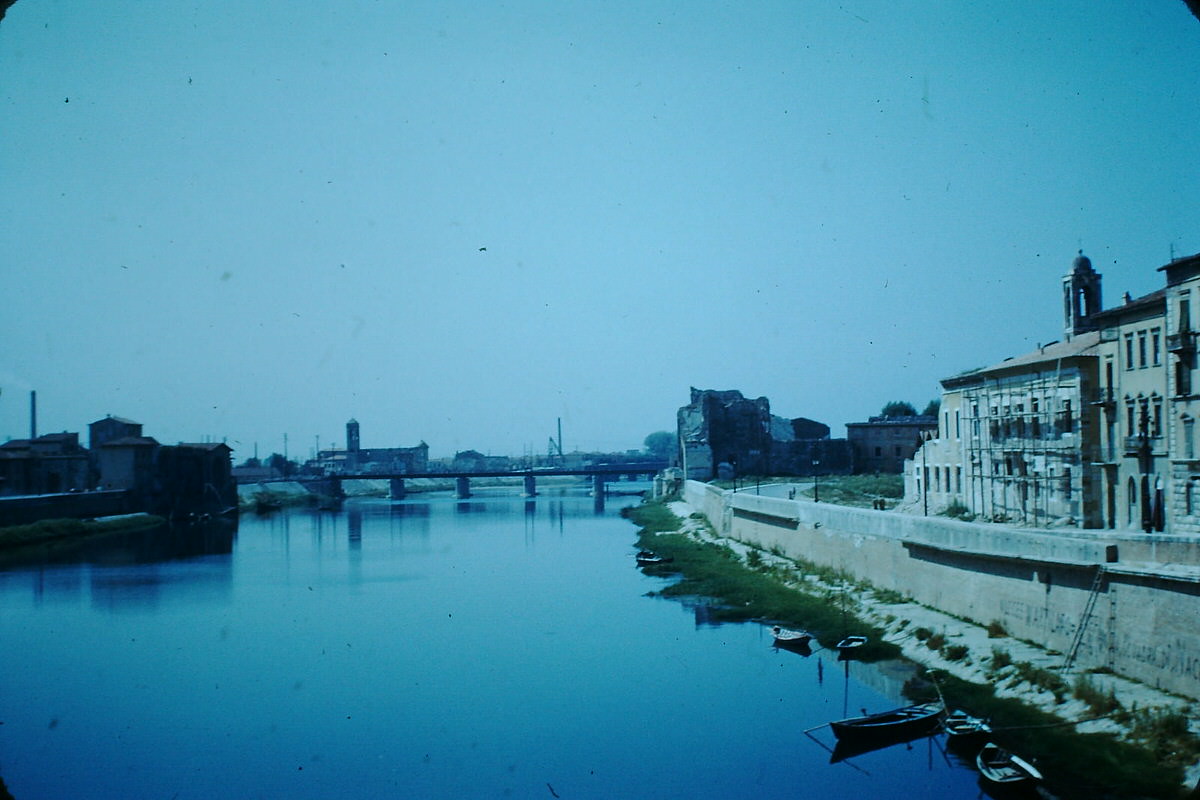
[{"x": 457, "y": 222}]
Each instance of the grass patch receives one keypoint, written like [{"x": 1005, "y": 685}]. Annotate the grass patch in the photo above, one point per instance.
[
  {"x": 890, "y": 597},
  {"x": 955, "y": 652},
  {"x": 957, "y": 510},
  {"x": 1079, "y": 766},
  {"x": 936, "y": 641},
  {"x": 922, "y": 634},
  {"x": 715, "y": 571},
  {"x": 1164, "y": 733},
  {"x": 995, "y": 630},
  {"x": 1099, "y": 701},
  {"x": 1042, "y": 678},
  {"x": 861, "y": 491},
  {"x": 51, "y": 530},
  {"x": 999, "y": 660}
]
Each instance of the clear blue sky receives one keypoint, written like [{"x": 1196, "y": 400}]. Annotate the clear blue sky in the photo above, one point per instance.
[{"x": 245, "y": 219}]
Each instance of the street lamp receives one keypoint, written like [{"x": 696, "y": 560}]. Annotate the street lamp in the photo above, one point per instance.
[{"x": 816, "y": 462}]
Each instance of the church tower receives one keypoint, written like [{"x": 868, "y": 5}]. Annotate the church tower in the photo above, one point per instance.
[
  {"x": 352, "y": 436},
  {"x": 1081, "y": 297}
]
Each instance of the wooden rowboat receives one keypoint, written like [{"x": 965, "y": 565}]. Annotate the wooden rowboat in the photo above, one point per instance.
[
  {"x": 1004, "y": 768},
  {"x": 911, "y": 720}
]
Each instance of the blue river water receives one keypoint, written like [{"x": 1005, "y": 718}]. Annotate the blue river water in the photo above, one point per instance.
[{"x": 434, "y": 648}]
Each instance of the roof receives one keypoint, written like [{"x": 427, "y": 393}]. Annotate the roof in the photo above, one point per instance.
[
  {"x": 1085, "y": 344},
  {"x": 132, "y": 441},
  {"x": 57, "y": 437},
  {"x": 205, "y": 445},
  {"x": 919, "y": 420},
  {"x": 1147, "y": 302},
  {"x": 122, "y": 420}
]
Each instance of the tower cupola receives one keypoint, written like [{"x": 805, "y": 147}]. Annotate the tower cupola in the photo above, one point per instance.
[{"x": 1081, "y": 297}]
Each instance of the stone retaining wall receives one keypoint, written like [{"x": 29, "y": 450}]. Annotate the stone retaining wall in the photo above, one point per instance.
[{"x": 1037, "y": 584}]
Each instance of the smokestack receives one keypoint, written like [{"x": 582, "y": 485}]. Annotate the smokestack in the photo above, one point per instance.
[{"x": 33, "y": 415}]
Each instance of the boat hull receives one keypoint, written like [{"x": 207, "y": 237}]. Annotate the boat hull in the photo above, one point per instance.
[{"x": 909, "y": 721}]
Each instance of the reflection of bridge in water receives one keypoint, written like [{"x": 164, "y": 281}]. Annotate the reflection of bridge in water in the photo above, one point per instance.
[{"x": 331, "y": 485}]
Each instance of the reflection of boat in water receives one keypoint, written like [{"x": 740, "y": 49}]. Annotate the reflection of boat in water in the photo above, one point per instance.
[
  {"x": 1002, "y": 768},
  {"x": 889, "y": 726},
  {"x": 848, "y": 748},
  {"x": 797, "y": 641},
  {"x": 961, "y": 726},
  {"x": 648, "y": 558}
]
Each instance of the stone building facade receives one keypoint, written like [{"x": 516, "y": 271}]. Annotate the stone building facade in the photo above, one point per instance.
[
  {"x": 1183, "y": 403},
  {"x": 883, "y": 444},
  {"x": 1096, "y": 431},
  {"x": 724, "y": 434}
]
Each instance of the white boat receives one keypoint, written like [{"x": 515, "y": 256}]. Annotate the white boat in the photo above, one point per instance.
[
  {"x": 961, "y": 725},
  {"x": 851, "y": 642},
  {"x": 785, "y": 637},
  {"x": 1004, "y": 768}
]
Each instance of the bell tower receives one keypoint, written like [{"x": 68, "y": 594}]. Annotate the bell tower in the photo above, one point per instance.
[
  {"x": 1081, "y": 297},
  {"x": 352, "y": 436}
]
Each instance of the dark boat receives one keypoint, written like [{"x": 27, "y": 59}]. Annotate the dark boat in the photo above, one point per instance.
[
  {"x": 896, "y": 724},
  {"x": 847, "y": 647},
  {"x": 961, "y": 725},
  {"x": 785, "y": 637},
  {"x": 1003, "y": 768},
  {"x": 647, "y": 558}
]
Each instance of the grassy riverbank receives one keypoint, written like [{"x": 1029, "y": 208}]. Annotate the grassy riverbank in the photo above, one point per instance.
[
  {"x": 53, "y": 530},
  {"x": 1148, "y": 760}
]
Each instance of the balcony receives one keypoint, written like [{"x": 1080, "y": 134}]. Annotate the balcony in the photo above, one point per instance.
[
  {"x": 1105, "y": 398},
  {"x": 1135, "y": 445},
  {"x": 1182, "y": 343}
]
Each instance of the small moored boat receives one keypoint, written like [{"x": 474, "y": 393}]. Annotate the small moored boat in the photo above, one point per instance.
[
  {"x": 911, "y": 720},
  {"x": 1004, "y": 768},
  {"x": 785, "y": 637},
  {"x": 648, "y": 558},
  {"x": 961, "y": 725},
  {"x": 851, "y": 642}
]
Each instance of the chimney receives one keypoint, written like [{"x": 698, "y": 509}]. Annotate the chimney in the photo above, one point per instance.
[{"x": 33, "y": 415}]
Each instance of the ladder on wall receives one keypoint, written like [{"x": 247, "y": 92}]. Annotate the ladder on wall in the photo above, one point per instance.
[{"x": 1089, "y": 607}]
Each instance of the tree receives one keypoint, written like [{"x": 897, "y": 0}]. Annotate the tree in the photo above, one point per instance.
[
  {"x": 899, "y": 408},
  {"x": 661, "y": 444},
  {"x": 931, "y": 410},
  {"x": 282, "y": 465}
]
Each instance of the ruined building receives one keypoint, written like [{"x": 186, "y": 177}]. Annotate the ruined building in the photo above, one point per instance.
[{"x": 724, "y": 433}]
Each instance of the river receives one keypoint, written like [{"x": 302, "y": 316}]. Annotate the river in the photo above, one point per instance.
[{"x": 433, "y": 648}]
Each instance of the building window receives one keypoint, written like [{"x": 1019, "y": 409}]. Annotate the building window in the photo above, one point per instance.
[
  {"x": 1130, "y": 427},
  {"x": 1189, "y": 437},
  {"x": 1185, "y": 313},
  {"x": 958, "y": 479},
  {"x": 897, "y": 450},
  {"x": 957, "y": 425},
  {"x": 1157, "y": 420},
  {"x": 1132, "y": 504},
  {"x": 1129, "y": 351},
  {"x": 1141, "y": 349},
  {"x": 878, "y": 452},
  {"x": 1188, "y": 498},
  {"x": 1067, "y": 483},
  {"x": 1155, "y": 346}
]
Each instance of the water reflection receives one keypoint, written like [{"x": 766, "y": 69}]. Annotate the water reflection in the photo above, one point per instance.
[{"x": 362, "y": 646}]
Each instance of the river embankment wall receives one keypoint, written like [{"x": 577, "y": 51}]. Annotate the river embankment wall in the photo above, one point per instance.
[{"x": 1136, "y": 597}]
